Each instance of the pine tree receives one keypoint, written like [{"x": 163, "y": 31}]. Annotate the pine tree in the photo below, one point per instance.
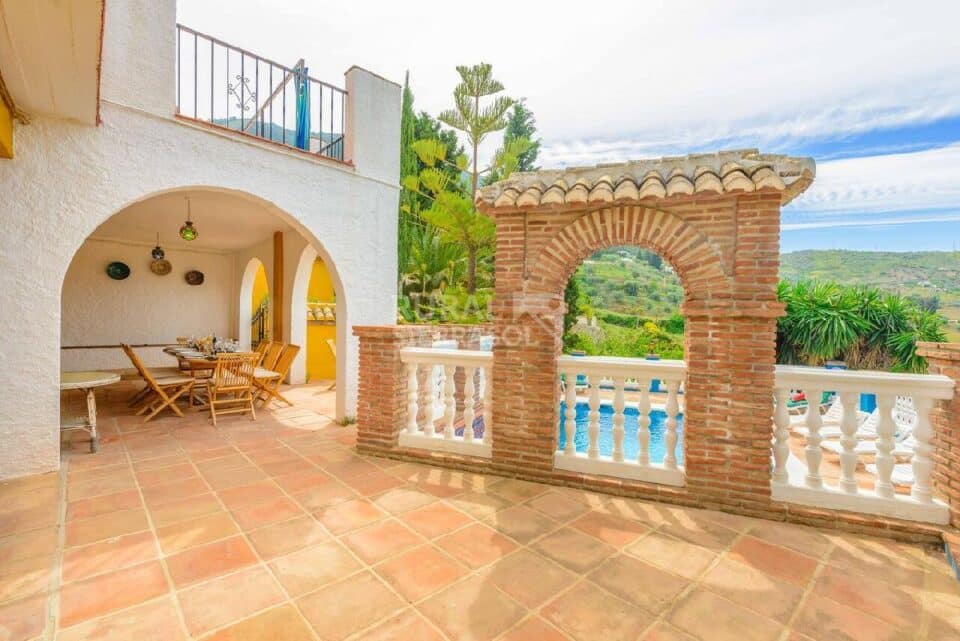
[
  {"x": 521, "y": 125},
  {"x": 409, "y": 165}
]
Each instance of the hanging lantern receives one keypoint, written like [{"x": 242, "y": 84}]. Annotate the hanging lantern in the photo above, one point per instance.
[
  {"x": 188, "y": 232},
  {"x": 157, "y": 251}
]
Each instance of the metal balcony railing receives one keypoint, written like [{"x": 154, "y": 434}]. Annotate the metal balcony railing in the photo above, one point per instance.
[{"x": 230, "y": 87}]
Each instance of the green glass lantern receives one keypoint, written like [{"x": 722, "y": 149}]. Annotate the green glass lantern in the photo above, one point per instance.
[{"x": 187, "y": 231}]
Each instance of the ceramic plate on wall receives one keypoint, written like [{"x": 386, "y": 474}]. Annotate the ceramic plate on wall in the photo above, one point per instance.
[
  {"x": 160, "y": 267},
  {"x": 193, "y": 277},
  {"x": 117, "y": 270}
]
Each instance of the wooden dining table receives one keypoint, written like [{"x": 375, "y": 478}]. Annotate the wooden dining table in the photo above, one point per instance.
[{"x": 201, "y": 366}]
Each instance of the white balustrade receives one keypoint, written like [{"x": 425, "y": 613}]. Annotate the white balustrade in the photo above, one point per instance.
[
  {"x": 437, "y": 430},
  {"x": 881, "y": 461},
  {"x": 621, "y": 376}
]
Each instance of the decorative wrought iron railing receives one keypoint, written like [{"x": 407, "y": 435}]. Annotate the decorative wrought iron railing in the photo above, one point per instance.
[
  {"x": 258, "y": 324},
  {"x": 233, "y": 88}
]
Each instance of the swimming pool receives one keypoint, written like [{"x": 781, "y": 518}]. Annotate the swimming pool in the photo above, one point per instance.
[{"x": 658, "y": 418}]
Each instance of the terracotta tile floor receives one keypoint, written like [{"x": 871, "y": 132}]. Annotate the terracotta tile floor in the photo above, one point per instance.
[{"x": 278, "y": 530}]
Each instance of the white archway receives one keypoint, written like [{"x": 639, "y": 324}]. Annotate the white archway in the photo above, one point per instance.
[
  {"x": 298, "y": 313},
  {"x": 244, "y": 313}
]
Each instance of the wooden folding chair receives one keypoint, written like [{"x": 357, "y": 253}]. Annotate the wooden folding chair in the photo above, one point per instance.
[
  {"x": 269, "y": 388},
  {"x": 262, "y": 348},
  {"x": 272, "y": 355},
  {"x": 163, "y": 391},
  {"x": 231, "y": 386},
  {"x": 156, "y": 372}
]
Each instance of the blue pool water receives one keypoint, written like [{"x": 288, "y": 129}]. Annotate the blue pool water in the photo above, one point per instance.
[{"x": 658, "y": 418}]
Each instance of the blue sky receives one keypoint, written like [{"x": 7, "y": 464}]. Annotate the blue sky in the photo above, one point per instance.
[{"x": 869, "y": 88}]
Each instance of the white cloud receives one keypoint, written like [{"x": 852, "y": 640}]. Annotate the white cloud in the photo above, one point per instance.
[{"x": 871, "y": 222}]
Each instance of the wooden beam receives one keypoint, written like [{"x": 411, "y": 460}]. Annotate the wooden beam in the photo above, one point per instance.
[{"x": 278, "y": 297}]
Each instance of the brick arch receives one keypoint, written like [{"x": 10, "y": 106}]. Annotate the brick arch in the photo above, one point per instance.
[{"x": 697, "y": 262}]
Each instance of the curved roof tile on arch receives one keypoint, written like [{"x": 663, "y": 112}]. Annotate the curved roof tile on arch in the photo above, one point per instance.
[{"x": 722, "y": 172}]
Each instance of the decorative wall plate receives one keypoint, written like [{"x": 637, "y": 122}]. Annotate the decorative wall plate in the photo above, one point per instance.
[
  {"x": 193, "y": 277},
  {"x": 161, "y": 267},
  {"x": 117, "y": 270}
]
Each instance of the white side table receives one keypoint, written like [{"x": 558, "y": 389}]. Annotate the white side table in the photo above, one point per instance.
[{"x": 88, "y": 382}]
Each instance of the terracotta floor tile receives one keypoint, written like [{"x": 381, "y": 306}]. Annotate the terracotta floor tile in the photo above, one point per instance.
[
  {"x": 107, "y": 556},
  {"x": 105, "y": 526},
  {"x": 100, "y": 487},
  {"x": 476, "y": 545},
  {"x": 615, "y": 530},
  {"x": 227, "y": 599},
  {"x": 25, "y": 577},
  {"x": 708, "y": 616},
  {"x": 34, "y": 518},
  {"x": 640, "y": 583},
  {"x": 373, "y": 483},
  {"x": 350, "y": 468},
  {"x": 702, "y": 532},
  {"x": 663, "y": 631},
  {"x": 209, "y": 455},
  {"x": 403, "y": 499},
  {"x": 187, "y": 534},
  {"x": 420, "y": 572},
  {"x": 244, "y": 496},
  {"x": 224, "y": 479},
  {"x": 184, "y": 509},
  {"x": 882, "y": 600},
  {"x": 282, "y": 538},
  {"x": 349, "y": 515},
  {"x": 158, "y": 462},
  {"x": 529, "y": 578},
  {"x": 106, "y": 593},
  {"x": 852, "y": 554},
  {"x": 480, "y": 506},
  {"x": 313, "y": 567},
  {"x": 381, "y": 540},
  {"x": 349, "y": 606},
  {"x": 775, "y": 560},
  {"x": 806, "y": 540},
  {"x": 95, "y": 506},
  {"x": 157, "y": 495},
  {"x": 557, "y": 506},
  {"x": 517, "y": 491},
  {"x": 282, "y": 623},
  {"x": 231, "y": 459},
  {"x": 156, "y": 620},
  {"x": 823, "y": 618},
  {"x": 680, "y": 557},
  {"x": 435, "y": 520},
  {"x": 28, "y": 545},
  {"x": 280, "y": 509},
  {"x": 521, "y": 523},
  {"x": 301, "y": 480},
  {"x": 210, "y": 560},
  {"x": 753, "y": 589},
  {"x": 24, "y": 619},
  {"x": 535, "y": 629},
  {"x": 408, "y": 625},
  {"x": 472, "y": 610},
  {"x": 323, "y": 496},
  {"x": 163, "y": 475},
  {"x": 588, "y": 614},
  {"x": 574, "y": 550}
]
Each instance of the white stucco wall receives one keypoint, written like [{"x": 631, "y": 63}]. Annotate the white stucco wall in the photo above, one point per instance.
[
  {"x": 144, "y": 308},
  {"x": 69, "y": 178}
]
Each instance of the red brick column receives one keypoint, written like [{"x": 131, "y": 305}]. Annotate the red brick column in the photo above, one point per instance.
[
  {"x": 382, "y": 394},
  {"x": 944, "y": 358}
]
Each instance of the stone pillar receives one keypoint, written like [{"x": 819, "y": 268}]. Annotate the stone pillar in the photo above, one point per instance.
[
  {"x": 944, "y": 358},
  {"x": 373, "y": 125},
  {"x": 382, "y": 393}
]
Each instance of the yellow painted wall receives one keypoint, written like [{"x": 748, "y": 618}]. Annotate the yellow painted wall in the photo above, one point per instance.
[
  {"x": 6, "y": 131},
  {"x": 320, "y": 362},
  {"x": 260, "y": 289}
]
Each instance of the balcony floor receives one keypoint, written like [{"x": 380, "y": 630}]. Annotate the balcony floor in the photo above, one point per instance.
[{"x": 276, "y": 529}]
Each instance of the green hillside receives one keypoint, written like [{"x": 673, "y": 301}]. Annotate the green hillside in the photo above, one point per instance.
[{"x": 630, "y": 281}]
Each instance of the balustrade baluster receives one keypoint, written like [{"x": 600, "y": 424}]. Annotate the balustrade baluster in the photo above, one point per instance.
[
  {"x": 450, "y": 402},
  {"x": 886, "y": 435},
  {"x": 922, "y": 464},
  {"x": 670, "y": 434},
  {"x": 412, "y": 400},
  {"x": 618, "y": 404},
  {"x": 812, "y": 451},
  {"x": 593, "y": 449},
  {"x": 468, "y": 402},
  {"x": 487, "y": 405},
  {"x": 570, "y": 414},
  {"x": 643, "y": 423},
  {"x": 781, "y": 435},
  {"x": 848, "y": 457}
]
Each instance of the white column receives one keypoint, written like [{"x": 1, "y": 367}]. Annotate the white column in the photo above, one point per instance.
[
  {"x": 781, "y": 435},
  {"x": 570, "y": 414},
  {"x": 643, "y": 423},
  {"x": 412, "y": 404},
  {"x": 922, "y": 465},
  {"x": 487, "y": 405},
  {"x": 593, "y": 449},
  {"x": 886, "y": 430},
  {"x": 618, "y": 404},
  {"x": 670, "y": 435},
  {"x": 469, "y": 371},
  {"x": 848, "y": 458},
  {"x": 812, "y": 451},
  {"x": 449, "y": 400}
]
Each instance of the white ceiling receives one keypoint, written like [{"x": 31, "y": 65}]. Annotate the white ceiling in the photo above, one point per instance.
[
  {"x": 49, "y": 54},
  {"x": 225, "y": 222}
]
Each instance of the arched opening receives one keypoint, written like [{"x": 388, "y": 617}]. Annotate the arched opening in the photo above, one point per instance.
[{"x": 121, "y": 289}]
